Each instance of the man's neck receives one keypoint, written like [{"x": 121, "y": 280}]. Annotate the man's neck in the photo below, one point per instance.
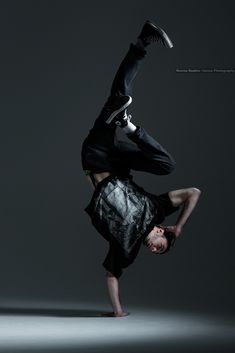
[{"x": 98, "y": 177}]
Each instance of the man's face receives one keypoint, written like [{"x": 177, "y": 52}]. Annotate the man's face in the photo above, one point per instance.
[{"x": 157, "y": 242}]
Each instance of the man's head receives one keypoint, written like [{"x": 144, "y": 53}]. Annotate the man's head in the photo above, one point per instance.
[{"x": 159, "y": 240}]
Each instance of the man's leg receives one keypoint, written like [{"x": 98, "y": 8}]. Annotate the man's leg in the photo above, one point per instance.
[
  {"x": 101, "y": 150},
  {"x": 147, "y": 154},
  {"x": 122, "y": 83},
  {"x": 99, "y": 147}
]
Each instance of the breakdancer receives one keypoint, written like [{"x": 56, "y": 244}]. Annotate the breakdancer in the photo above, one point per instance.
[{"x": 125, "y": 214}]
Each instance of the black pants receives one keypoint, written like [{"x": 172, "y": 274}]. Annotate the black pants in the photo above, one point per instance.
[{"x": 102, "y": 151}]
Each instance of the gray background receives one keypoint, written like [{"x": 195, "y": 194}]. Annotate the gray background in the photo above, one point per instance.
[{"x": 57, "y": 62}]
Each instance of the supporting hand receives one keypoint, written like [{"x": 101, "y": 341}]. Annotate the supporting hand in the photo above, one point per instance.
[
  {"x": 113, "y": 290},
  {"x": 113, "y": 314}
]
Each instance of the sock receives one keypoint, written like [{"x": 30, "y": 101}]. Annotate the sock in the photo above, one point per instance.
[{"x": 129, "y": 128}]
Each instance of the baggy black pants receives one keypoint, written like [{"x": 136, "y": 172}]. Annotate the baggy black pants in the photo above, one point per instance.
[{"x": 102, "y": 151}]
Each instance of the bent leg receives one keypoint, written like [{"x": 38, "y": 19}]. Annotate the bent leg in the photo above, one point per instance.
[
  {"x": 146, "y": 154},
  {"x": 123, "y": 80},
  {"x": 98, "y": 149},
  {"x": 122, "y": 83}
]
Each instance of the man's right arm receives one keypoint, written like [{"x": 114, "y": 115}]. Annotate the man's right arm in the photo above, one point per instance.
[
  {"x": 113, "y": 272},
  {"x": 113, "y": 290}
]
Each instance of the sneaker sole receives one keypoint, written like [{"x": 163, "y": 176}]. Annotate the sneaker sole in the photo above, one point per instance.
[
  {"x": 116, "y": 112},
  {"x": 167, "y": 41}
]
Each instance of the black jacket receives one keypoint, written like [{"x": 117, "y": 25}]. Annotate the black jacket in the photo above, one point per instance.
[{"x": 124, "y": 214}]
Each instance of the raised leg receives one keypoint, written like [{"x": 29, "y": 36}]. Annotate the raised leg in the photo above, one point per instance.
[
  {"x": 99, "y": 146},
  {"x": 101, "y": 152},
  {"x": 147, "y": 154},
  {"x": 122, "y": 83}
]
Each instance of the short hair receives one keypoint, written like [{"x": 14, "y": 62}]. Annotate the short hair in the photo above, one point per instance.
[{"x": 170, "y": 237}]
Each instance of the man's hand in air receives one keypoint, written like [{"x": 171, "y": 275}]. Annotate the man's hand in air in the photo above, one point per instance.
[{"x": 176, "y": 229}]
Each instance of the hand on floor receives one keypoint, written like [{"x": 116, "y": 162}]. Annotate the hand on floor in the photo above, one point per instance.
[{"x": 112, "y": 314}]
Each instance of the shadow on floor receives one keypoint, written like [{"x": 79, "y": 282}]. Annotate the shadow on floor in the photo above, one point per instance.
[{"x": 52, "y": 312}]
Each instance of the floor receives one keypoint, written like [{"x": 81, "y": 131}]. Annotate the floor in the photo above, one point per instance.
[{"x": 81, "y": 328}]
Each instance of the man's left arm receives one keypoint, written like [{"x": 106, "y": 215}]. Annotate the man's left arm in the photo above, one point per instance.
[{"x": 187, "y": 198}]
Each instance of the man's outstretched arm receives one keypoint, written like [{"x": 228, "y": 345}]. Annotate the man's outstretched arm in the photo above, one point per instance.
[
  {"x": 188, "y": 198},
  {"x": 113, "y": 290}
]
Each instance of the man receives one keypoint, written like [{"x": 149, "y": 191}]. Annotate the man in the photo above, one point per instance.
[{"x": 123, "y": 212}]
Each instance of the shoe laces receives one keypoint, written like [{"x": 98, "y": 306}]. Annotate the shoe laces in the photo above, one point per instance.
[{"x": 154, "y": 38}]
